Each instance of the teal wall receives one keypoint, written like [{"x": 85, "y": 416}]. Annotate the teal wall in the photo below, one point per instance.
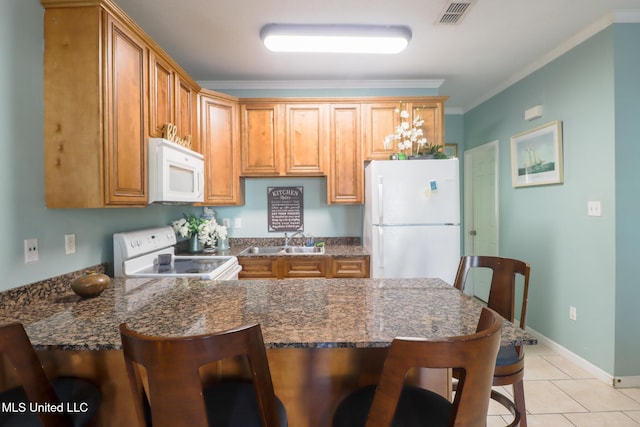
[
  {"x": 320, "y": 219},
  {"x": 576, "y": 259},
  {"x": 627, "y": 248}
]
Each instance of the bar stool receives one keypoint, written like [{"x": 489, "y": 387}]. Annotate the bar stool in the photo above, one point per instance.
[
  {"x": 502, "y": 298},
  {"x": 175, "y": 392},
  {"x": 31, "y": 403},
  {"x": 392, "y": 403}
]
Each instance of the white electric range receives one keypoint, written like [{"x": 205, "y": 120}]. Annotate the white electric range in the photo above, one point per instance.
[{"x": 151, "y": 253}]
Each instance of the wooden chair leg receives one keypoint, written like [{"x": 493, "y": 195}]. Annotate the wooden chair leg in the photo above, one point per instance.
[{"x": 518, "y": 397}]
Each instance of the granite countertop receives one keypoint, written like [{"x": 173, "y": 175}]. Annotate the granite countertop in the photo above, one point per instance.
[
  {"x": 334, "y": 246},
  {"x": 295, "y": 313}
]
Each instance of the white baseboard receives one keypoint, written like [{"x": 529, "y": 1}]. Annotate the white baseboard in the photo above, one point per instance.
[
  {"x": 617, "y": 382},
  {"x": 627, "y": 382}
]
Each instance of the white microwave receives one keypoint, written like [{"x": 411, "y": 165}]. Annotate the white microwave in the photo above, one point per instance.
[{"x": 176, "y": 173}]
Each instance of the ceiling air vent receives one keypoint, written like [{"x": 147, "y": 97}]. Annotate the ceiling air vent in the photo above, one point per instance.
[{"x": 454, "y": 11}]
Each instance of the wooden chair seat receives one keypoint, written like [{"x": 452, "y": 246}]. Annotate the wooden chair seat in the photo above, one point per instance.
[
  {"x": 79, "y": 398},
  {"x": 393, "y": 404},
  {"x": 502, "y": 298},
  {"x": 175, "y": 395}
]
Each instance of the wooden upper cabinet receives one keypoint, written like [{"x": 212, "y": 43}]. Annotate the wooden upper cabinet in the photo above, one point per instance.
[
  {"x": 162, "y": 82},
  {"x": 305, "y": 141},
  {"x": 95, "y": 93},
  {"x": 126, "y": 151},
  {"x": 220, "y": 143},
  {"x": 186, "y": 112},
  {"x": 381, "y": 118},
  {"x": 173, "y": 99},
  {"x": 262, "y": 139},
  {"x": 432, "y": 112},
  {"x": 107, "y": 88},
  {"x": 346, "y": 167}
]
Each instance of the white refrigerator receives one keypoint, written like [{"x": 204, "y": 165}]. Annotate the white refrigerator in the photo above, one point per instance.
[{"x": 412, "y": 218}]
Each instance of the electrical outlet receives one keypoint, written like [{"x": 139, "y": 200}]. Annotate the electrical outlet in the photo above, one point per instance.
[
  {"x": 69, "y": 244},
  {"x": 31, "y": 251},
  {"x": 226, "y": 222},
  {"x": 572, "y": 313},
  {"x": 594, "y": 208},
  {"x": 237, "y": 222}
]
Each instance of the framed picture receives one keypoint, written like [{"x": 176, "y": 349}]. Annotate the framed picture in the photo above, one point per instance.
[
  {"x": 536, "y": 156},
  {"x": 451, "y": 150}
]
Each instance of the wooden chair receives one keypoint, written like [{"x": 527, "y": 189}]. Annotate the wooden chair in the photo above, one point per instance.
[
  {"x": 78, "y": 398},
  {"x": 392, "y": 403},
  {"x": 175, "y": 392},
  {"x": 502, "y": 298}
]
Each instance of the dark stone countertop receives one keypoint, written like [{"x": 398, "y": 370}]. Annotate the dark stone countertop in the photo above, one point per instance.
[
  {"x": 294, "y": 313},
  {"x": 334, "y": 246}
]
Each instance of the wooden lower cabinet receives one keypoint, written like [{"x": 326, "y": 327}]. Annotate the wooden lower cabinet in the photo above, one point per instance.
[
  {"x": 285, "y": 267},
  {"x": 303, "y": 267},
  {"x": 349, "y": 267},
  {"x": 258, "y": 268}
]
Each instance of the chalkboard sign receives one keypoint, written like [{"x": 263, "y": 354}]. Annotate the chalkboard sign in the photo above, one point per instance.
[{"x": 285, "y": 208}]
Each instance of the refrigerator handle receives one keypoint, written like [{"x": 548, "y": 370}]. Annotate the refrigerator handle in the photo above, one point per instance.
[
  {"x": 380, "y": 201},
  {"x": 380, "y": 247}
]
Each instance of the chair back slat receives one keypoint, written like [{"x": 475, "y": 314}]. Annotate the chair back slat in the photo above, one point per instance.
[
  {"x": 173, "y": 365},
  {"x": 473, "y": 355},
  {"x": 15, "y": 344},
  {"x": 502, "y": 292}
]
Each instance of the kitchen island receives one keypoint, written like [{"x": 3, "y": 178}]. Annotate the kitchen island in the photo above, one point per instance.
[{"x": 324, "y": 336}]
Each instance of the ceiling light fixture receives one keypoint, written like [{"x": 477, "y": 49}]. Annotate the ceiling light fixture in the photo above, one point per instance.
[{"x": 380, "y": 39}]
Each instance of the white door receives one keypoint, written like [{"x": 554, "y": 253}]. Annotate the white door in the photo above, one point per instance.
[{"x": 481, "y": 211}]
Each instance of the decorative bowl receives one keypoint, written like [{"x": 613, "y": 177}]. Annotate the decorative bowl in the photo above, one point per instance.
[{"x": 90, "y": 284}]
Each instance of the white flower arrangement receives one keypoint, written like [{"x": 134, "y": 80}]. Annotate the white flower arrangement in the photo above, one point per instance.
[
  {"x": 407, "y": 135},
  {"x": 206, "y": 227}
]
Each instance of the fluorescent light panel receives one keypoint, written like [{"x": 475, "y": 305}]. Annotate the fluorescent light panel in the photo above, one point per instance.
[{"x": 376, "y": 39}]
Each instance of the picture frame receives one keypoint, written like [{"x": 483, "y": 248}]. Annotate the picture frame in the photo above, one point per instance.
[
  {"x": 536, "y": 156},
  {"x": 451, "y": 150}
]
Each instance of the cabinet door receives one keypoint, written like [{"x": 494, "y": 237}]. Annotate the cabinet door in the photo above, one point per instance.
[
  {"x": 350, "y": 267},
  {"x": 257, "y": 268},
  {"x": 305, "y": 139},
  {"x": 261, "y": 139},
  {"x": 379, "y": 120},
  {"x": 186, "y": 111},
  {"x": 346, "y": 168},
  {"x": 161, "y": 94},
  {"x": 125, "y": 131},
  {"x": 304, "y": 266},
  {"x": 219, "y": 142},
  {"x": 433, "y": 115}
]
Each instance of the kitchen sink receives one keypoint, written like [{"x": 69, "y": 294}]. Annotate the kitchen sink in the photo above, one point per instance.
[
  {"x": 281, "y": 250},
  {"x": 305, "y": 250}
]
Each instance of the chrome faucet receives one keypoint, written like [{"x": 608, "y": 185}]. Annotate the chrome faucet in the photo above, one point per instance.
[{"x": 288, "y": 238}]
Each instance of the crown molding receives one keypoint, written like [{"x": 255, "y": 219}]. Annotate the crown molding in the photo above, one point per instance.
[
  {"x": 616, "y": 16},
  {"x": 322, "y": 84}
]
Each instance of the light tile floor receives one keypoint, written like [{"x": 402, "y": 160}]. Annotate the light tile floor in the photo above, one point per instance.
[{"x": 558, "y": 393}]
